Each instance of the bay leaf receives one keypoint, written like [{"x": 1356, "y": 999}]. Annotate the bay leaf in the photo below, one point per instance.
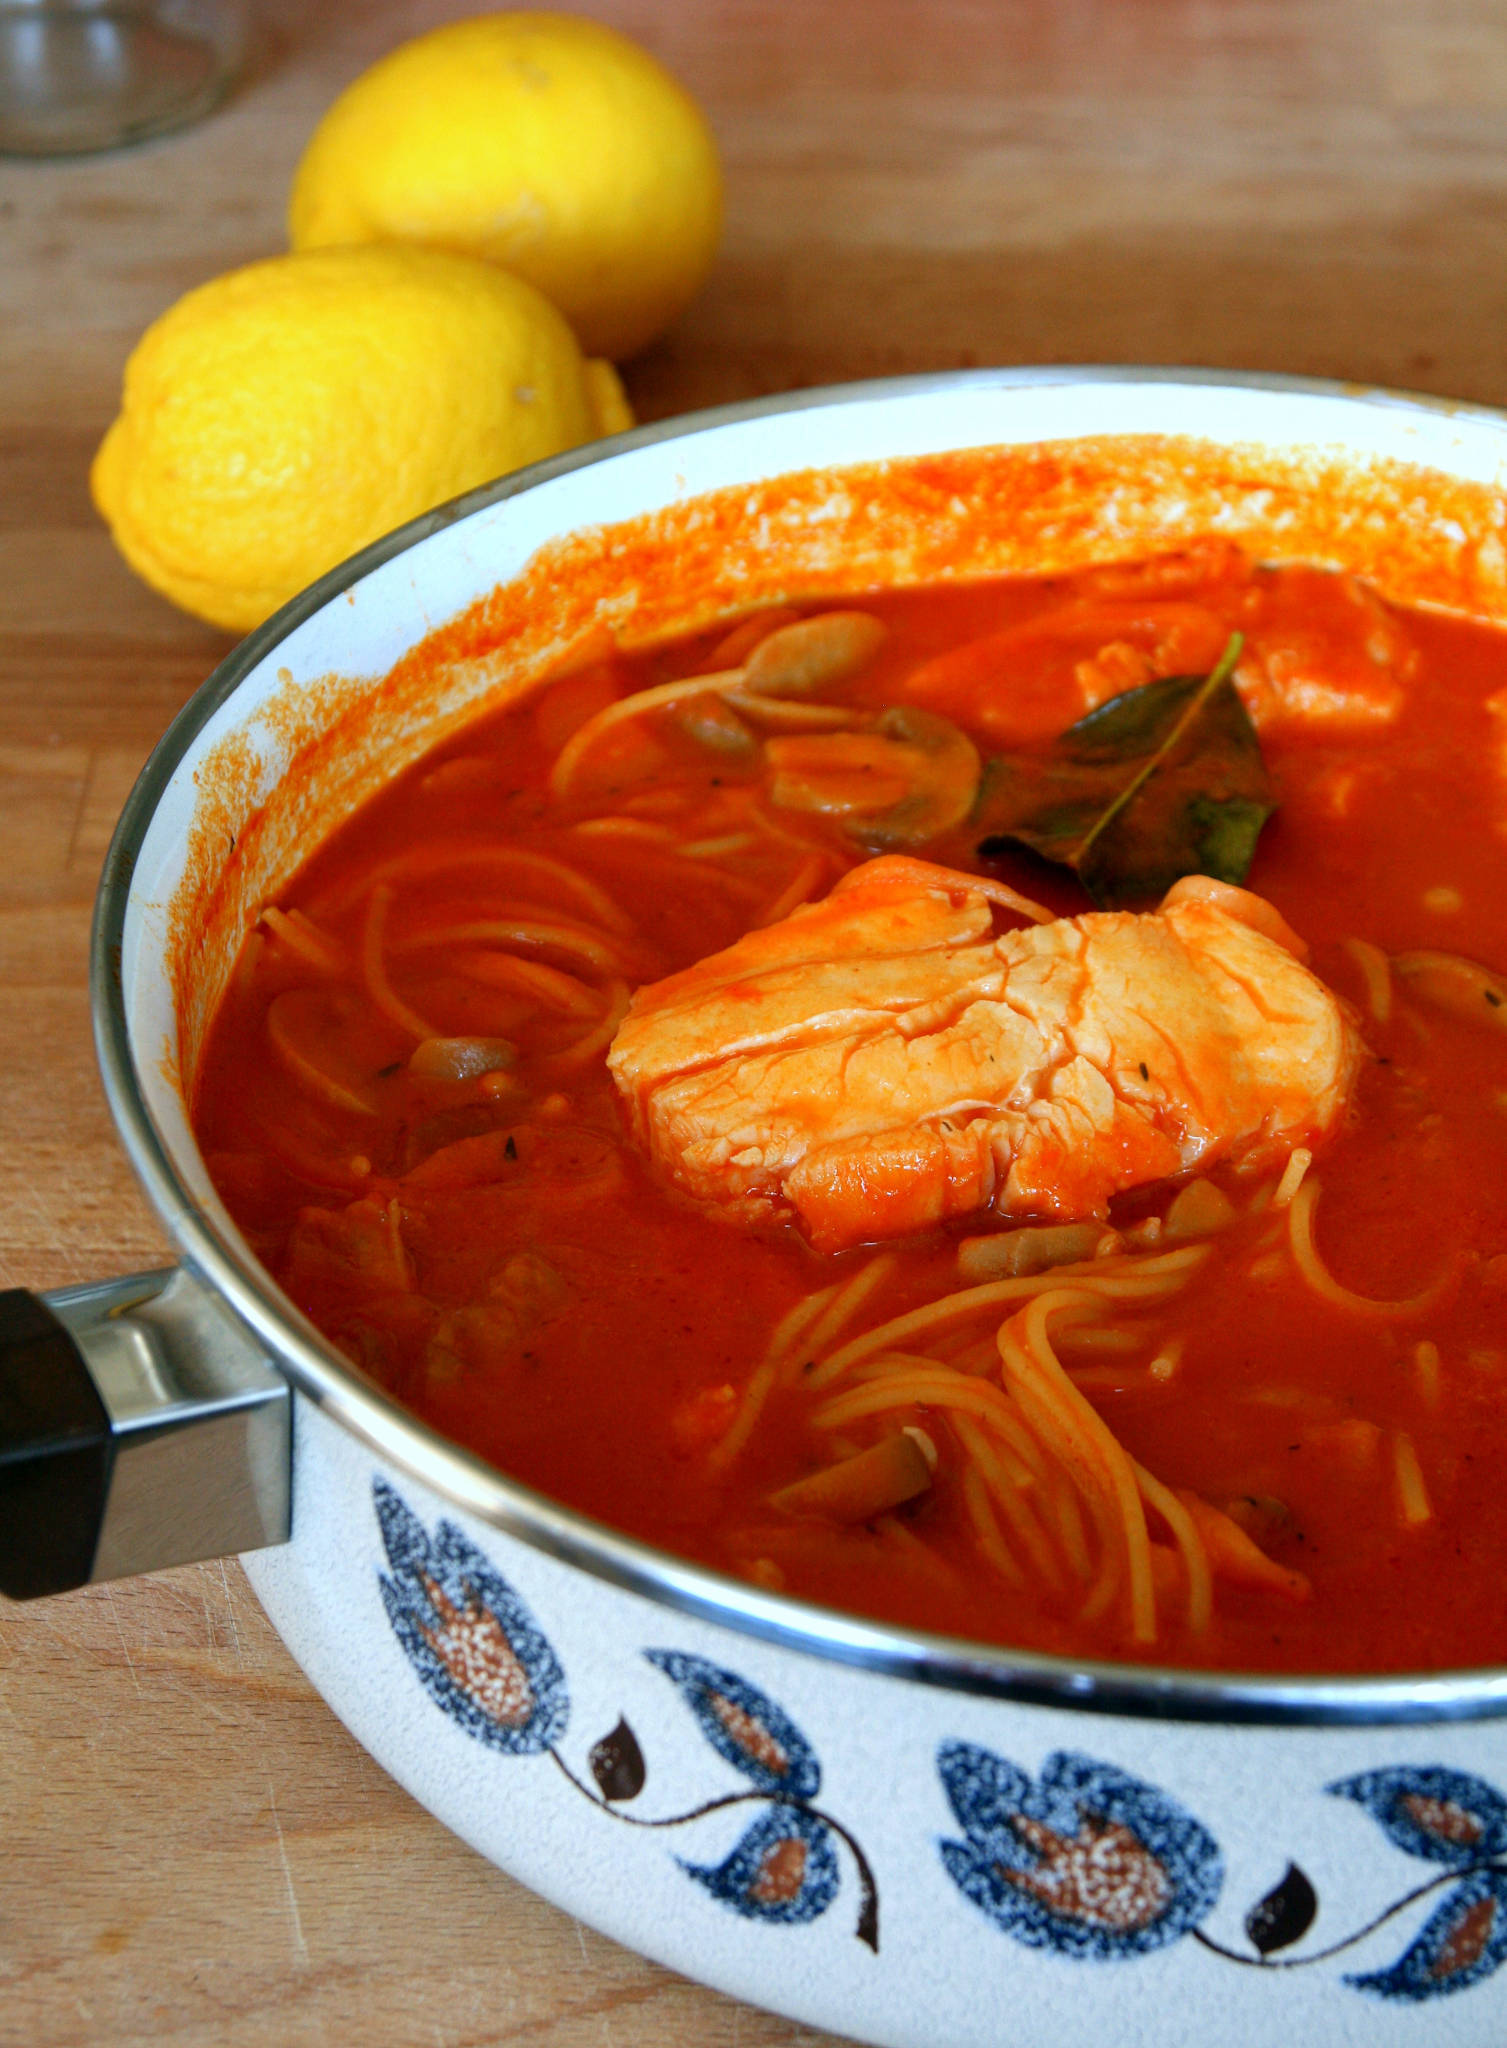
[{"x": 1162, "y": 781}]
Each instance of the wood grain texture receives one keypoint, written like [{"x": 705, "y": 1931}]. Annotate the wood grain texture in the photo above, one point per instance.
[{"x": 195, "y": 1852}]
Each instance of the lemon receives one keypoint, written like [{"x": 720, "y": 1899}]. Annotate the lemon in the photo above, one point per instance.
[
  {"x": 545, "y": 143},
  {"x": 279, "y": 417}
]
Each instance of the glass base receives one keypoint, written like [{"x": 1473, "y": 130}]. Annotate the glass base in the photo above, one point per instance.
[{"x": 81, "y": 78}]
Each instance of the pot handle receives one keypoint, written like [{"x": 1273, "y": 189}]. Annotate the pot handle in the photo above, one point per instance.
[{"x": 141, "y": 1425}]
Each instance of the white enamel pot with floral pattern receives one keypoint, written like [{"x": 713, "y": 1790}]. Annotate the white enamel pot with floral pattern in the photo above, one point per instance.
[{"x": 908, "y": 1840}]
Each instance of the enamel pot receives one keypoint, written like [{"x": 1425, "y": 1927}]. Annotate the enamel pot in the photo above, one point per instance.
[{"x": 905, "y": 1839}]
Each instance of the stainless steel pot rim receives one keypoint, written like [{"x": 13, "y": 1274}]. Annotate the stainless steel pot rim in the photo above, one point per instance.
[{"x": 326, "y": 1377}]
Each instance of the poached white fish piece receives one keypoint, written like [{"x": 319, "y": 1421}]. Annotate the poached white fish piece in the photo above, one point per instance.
[{"x": 887, "y": 1060}]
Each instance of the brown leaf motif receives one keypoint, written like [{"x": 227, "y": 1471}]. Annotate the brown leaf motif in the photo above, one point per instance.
[
  {"x": 1284, "y": 1914},
  {"x": 617, "y": 1765}
]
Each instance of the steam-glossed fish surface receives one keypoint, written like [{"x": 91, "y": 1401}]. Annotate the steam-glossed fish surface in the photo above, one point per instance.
[{"x": 886, "y": 1060}]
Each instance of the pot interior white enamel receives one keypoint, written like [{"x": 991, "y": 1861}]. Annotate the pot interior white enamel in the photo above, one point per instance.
[{"x": 181, "y": 886}]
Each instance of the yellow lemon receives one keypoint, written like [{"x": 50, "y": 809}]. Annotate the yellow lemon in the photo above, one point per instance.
[
  {"x": 545, "y": 143},
  {"x": 279, "y": 417}
]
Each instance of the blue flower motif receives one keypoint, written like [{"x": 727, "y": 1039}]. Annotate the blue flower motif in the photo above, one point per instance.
[
  {"x": 744, "y": 1725},
  {"x": 1087, "y": 1861},
  {"x": 1443, "y": 1816},
  {"x": 784, "y": 1869},
  {"x": 477, "y": 1649},
  {"x": 1464, "y": 1940}
]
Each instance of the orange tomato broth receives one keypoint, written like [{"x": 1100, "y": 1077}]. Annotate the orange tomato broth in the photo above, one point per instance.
[{"x": 494, "y": 1251}]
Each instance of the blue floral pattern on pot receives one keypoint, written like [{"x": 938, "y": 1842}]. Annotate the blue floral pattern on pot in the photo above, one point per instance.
[
  {"x": 745, "y": 1727},
  {"x": 477, "y": 1649},
  {"x": 1084, "y": 1861},
  {"x": 785, "y": 1868},
  {"x": 1452, "y": 1818},
  {"x": 1089, "y": 1862},
  {"x": 486, "y": 1663}
]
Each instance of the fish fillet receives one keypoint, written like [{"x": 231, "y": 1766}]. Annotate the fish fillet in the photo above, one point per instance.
[{"x": 887, "y": 1060}]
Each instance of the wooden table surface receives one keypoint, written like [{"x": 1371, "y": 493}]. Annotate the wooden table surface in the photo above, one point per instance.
[{"x": 192, "y": 1851}]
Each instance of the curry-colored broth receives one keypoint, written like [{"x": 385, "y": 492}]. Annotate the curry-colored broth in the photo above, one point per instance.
[{"x": 610, "y": 1323}]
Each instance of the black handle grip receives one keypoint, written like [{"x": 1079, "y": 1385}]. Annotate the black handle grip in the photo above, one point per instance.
[{"x": 56, "y": 1452}]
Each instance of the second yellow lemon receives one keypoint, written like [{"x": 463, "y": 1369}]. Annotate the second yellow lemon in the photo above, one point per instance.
[
  {"x": 279, "y": 417},
  {"x": 545, "y": 143}
]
